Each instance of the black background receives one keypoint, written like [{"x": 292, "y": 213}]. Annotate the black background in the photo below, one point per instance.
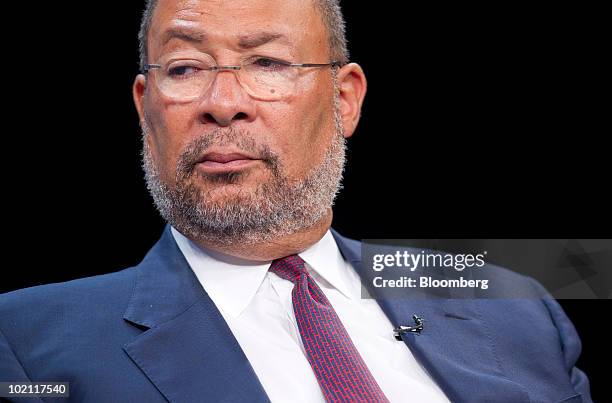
[{"x": 481, "y": 121}]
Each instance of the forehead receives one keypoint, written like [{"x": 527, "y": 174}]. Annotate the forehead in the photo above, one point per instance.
[{"x": 297, "y": 20}]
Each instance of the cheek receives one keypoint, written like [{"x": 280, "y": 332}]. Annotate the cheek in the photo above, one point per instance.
[
  {"x": 168, "y": 128},
  {"x": 302, "y": 131}
]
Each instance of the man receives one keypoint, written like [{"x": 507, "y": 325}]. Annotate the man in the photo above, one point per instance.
[{"x": 245, "y": 106}]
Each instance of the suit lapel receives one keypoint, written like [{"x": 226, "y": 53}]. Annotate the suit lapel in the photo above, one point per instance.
[
  {"x": 187, "y": 350},
  {"x": 455, "y": 345}
]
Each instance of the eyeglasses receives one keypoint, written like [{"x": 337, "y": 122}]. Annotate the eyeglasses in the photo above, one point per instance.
[{"x": 185, "y": 79}]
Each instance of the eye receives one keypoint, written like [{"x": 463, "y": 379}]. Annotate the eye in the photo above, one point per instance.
[
  {"x": 266, "y": 63},
  {"x": 180, "y": 71}
]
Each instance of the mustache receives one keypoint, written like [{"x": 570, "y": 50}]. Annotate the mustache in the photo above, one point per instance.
[{"x": 242, "y": 140}]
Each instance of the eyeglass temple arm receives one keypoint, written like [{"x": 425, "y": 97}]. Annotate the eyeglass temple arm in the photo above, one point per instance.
[
  {"x": 148, "y": 67},
  {"x": 334, "y": 63}
]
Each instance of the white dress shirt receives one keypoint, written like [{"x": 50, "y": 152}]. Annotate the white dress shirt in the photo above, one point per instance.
[{"x": 256, "y": 304}]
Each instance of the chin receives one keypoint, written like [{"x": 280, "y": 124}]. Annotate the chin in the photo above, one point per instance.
[{"x": 218, "y": 192}]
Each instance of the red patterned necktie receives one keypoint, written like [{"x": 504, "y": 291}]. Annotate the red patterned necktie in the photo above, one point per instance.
[{"x": 340, "y": 370}]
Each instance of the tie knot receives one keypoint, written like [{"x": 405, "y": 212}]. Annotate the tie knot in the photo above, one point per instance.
[{"x": 290, "y": 267}]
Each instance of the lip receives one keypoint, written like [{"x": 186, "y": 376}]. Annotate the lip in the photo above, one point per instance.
[{"x": 215, "y": 162}]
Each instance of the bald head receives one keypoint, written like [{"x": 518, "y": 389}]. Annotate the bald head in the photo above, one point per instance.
[{"x": 329, "y": 10}]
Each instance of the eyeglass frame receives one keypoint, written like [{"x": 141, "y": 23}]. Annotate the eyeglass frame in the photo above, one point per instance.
[
  {"x": 216, "y": 68},
  {"x": 333, "y": 63}
]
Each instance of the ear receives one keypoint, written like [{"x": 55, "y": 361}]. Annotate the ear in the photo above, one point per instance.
[
  {"x": 353, "y": 87},
  {"x": 138, "y": 92}
]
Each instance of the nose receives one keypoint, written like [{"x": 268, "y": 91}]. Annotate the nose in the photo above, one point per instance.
[{"x": 226, "y": 101}]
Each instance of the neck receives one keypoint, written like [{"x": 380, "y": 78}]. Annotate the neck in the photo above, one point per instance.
[{"x": 273, "y": 249}]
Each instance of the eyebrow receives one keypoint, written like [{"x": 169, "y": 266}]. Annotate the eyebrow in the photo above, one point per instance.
[
  {"x": 188, "y": 35},
  {"x": 248, "y": 41},
  {"x": 253, "y": 41}
]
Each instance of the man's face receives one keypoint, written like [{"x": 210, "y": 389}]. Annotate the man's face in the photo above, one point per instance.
[{"x": 227, "y": 151}]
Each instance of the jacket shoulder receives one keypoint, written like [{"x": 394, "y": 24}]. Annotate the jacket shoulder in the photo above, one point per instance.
[{"x": 57, "y": 299}]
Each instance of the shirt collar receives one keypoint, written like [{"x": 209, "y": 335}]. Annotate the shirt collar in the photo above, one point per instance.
[
  {"x": 232, "y": 283},
  {"x": 325, "y": 259}
]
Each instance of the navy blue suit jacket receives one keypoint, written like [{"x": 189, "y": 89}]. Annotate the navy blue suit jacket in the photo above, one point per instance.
[{"x": 150, "y": 333}]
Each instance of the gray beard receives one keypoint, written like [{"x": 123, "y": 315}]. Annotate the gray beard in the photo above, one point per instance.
[{"x": 275, "y": 209}]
